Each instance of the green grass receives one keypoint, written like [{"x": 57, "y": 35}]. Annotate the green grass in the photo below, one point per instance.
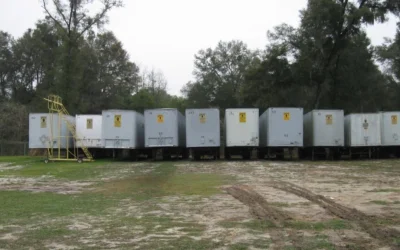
[
  {"x": 385, "y": 190},
  {"x": 318, "y": 242},
  {"x": 17, "y": 206},
  {"x": 396, "y": 241},
  {"x": 315, "y": 242},
  {"x": 49, "y": 213},
  {"x": 256, "y": 225},
  {"x": 280, "y": 204},
  {"x": 265, "y": 225},
  {"x": 163, "y": 182},
  {"x": 334, "y": 224},
  {"x": 260, "y": 243},
  {"x": 35, "y": 167},
  {"x": 19, "y": 159},
  {"x": 182, "y": 243},
  {"x": 38, "y": 237},
  {"x": 152, "y": 224},
  {"x": 379, "y": 202},
  {"x": 239, "y": 246}
]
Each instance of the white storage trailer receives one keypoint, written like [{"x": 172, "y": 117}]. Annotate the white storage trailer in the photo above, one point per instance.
[
  {"x": 324, "y": 132},
  {"x": 122, "y": 129},
  {"x": 165, "y": 132},
  {"x": 89, "y": 131},
  {"x": 49, "y": 130},
  {"x": 281, "y": 129},
  {"x": 362, "y": 134},
  {"x": 203, "y": 132},
  {"x": 390, "y": 128},
  {"x": 242, "y": 131}
]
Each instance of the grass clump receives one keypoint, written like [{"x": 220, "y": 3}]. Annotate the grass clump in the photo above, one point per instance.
[
  {"x": 256, "y": 225},
  {"x": 182, "y": 243},
  {"x": 164, "y": 181},
  {"x": 379, "y": 202},
  {"x": 334, "y": 224},
  {"x": 318, "y": 242},
  {"x": 385, "y": 190},
  {"x": 26, "y": 206},
  {"x": 280, "y": 204},
  {"x": 35, "y": 167}
]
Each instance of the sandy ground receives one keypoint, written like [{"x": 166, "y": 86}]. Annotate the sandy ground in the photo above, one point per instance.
[{"x": 277, "y": 192}]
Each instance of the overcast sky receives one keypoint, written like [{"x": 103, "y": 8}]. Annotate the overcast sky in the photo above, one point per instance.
[{"x": 166, "y": 34}]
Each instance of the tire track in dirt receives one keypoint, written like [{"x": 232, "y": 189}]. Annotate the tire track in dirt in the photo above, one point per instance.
[
  {"x": 259, "y": 207},
  {"x": 262, "y": 210},
  {"x": 367, "y": 223}
]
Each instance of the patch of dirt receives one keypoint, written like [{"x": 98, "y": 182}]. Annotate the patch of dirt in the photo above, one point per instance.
[
  {"x": 122, "y": 171},
  {"x": 344, "y": 238},
  {"x": 209, "y": 212},
  {"x": 79, "y": 225},
  {"x": 367, "y": 223},
  {"x": 9, "y": 166},
  {"x": 59, "y": 246},
  {"x": 9, "y": 236},
  {"x": 258, "y": 205},
  {"x": 43, "y": 184}
]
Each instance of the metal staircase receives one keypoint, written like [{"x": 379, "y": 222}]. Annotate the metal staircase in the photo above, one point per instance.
[{"x": 56, "y": 106}]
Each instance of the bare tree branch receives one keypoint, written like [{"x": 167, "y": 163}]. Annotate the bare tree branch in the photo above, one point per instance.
[
  {"x": 96, "y": 20},
  {"x": 51, "y": 16},
  {"x": 71, "y": 6},
  {"x": 59, "y": 10}
]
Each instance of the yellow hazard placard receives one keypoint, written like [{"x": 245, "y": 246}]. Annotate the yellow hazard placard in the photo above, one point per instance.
[
  {"x": 117, "y": 121},
  {"x": 160, "y": 118},
  {"x": 89, "y": 123},
  {"x": 394, "y": 119},
  {"x": 286, "y": 116},
  {"x": 242, "y": 117},
  {"x": 202, "y": 118},
  {"x": 43, "y": 122},
  {"x": 329, "y": 119}
]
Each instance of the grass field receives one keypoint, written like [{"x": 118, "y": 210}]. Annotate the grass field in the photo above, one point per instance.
[{"x": 199, "y": 205}]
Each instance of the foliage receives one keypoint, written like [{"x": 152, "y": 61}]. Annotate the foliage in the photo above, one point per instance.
[
  {"x": 14, "y": 122},
  {"x": 5, "y": 65},
  {"x": 389, "y": 55},
  {"x": 326, "y": 62},
  {"x": 65, "y": 55},
  {"x": 220, "y": 75}
]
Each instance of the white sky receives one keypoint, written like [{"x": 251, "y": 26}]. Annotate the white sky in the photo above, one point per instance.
[{"x": 166, "y": 35}]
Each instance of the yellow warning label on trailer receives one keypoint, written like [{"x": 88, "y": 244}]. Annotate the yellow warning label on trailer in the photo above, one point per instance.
[
  {"x": 117, "y": 121},
  {"x": 286, "y": 116},
  {"x": 43, "y": 122},
  {"x": 242, "y": 117},
  {"x": 89, "y": 123},
  {"x": 160, "y": 118},
  {"x": 329, "y": 120},
  {"x": 394, "y": 119},
  {"x": 202, "y": 118}
]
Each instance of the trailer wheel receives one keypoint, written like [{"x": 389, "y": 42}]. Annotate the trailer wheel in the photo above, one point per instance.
[
  {"x": 167, "y": 157},
  {"x": 261, "y": 155},
  {"x": 246, "y": 156},
  {"x": 196, "y": 156},
  {"x": 216, "y": 155}
]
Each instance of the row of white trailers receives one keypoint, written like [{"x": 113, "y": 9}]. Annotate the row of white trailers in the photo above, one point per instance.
[{"x": 276, "y": 130}]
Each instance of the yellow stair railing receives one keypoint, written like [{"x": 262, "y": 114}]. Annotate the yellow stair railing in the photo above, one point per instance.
[{"x": 55, "y": 105}]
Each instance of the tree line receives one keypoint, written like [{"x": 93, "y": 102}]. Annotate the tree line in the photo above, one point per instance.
[{"x": 326, "y": 62}]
